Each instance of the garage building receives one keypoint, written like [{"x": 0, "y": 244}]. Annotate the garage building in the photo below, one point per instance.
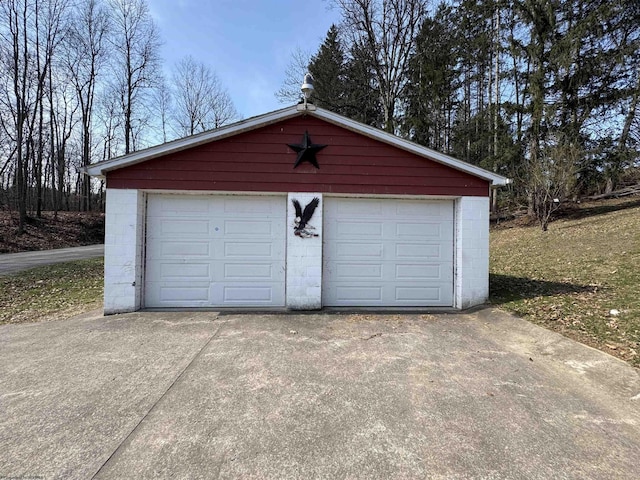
[{"x": 211, "y": 220}]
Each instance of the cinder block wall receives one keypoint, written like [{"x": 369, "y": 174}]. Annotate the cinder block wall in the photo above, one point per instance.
[
  {"x": 304, "y": 258},
  {"x": 123, "y": 251},
  {"x": 472, "y": 251}
]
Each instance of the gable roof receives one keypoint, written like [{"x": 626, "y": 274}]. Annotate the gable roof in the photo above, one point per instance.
[{"x": 101, "y": 168}]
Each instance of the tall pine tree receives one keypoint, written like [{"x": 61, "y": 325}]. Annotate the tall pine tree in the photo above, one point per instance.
[
  {"x": 345, "y": 83},
  {"x": 431, "y": 94},
  {"x": 328, "y": 70}
]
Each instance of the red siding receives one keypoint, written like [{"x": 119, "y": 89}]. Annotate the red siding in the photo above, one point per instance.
[{"x": 261, "y": 161}]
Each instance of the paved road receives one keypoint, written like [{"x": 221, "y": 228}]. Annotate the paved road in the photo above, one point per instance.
[
  {"x": 200, "y": 395},
  {"x": 15, "y": 262}
]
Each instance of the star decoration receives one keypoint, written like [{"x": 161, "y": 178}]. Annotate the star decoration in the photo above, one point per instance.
[{"x": 306, "y": 151}]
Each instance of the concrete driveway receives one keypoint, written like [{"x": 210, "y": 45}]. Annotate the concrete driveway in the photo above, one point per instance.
[
  {"x": 15, "y": 262},
  {"x": 200, "y": 395}
]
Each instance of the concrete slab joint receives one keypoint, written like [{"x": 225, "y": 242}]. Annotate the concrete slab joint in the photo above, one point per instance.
[{"x": 304, "y": 257}]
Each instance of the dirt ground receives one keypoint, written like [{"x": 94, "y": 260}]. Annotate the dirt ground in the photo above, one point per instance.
[
  {"x": 568, "y": 210},
  {"x": 67, "y": 229}
]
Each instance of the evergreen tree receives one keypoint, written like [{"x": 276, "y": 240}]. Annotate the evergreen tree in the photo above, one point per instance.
[
  {"x": 477, "y": 47},
  {"x": 543, "y": 91},
  {"x": 433, "y": 82},
  {"x": 594, "y": 69},
  {"x": 345, "y": 84},
  {"x": 361, "y": 99},
  {"x": 580, "y": 57},
  {"x": 385, "y": 30},
  {"x": 328, "y": 70}
]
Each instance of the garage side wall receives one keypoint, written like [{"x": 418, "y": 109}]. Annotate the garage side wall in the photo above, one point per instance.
[
  {"x": 472, "y": 251},
  {"x": 123, "y": 251}
]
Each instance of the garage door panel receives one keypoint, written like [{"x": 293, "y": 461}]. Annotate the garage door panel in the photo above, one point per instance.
[
  {"x": 355, "y": 207},
  {"x": 417, "y": 209},
  {"x": 182, "y": 249},
  {"x": 418, "y": 251},
  {"x": 235, "y": 271},
  {"x": 246, "y": 294},
  {"x": 356, "y": 295},
  {"x": 359, "y": 229},
  {"x": 349, "y": 250},
  {"x": 418, "y": 272},
  {"x": 249, "y": 206},
  {"x": 185, "y": 292},
  {"x": 230, "y": 250},
  {"x": 354, "y": 271},
  {"x": 418, "y": 294},
  {"x": 247, "y": 227},
  {"x": 182, "y": 271},
  {"x": 418, "y": 230},
  {"x": 181, "y": 227},
  {"x": 179, "y": 206},
  {"x": 403, "y": 258},
  {"x": 234, "y": 249}
]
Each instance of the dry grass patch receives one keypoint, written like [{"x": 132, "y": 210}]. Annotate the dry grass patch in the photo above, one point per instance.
[
  {"x": 570, "y": 278},
  {"x": 51, "y": 292}
]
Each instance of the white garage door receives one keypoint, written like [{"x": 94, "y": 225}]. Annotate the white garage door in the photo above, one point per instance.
[
  {"x": 387, "y": 252},
  {"x": 215, "y": 251}
]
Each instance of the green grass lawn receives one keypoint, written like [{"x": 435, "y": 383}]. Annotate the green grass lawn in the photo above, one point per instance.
[
  {"x": 51, "y": 292},
  {"x": 569, "y": 278}
]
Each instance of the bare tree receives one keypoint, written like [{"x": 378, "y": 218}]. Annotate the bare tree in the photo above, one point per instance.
[
  {"x": 162, "y": 104},
  {"x": 16, "y": 58},
  {"x": 386, "y": 29},
  {"x": 289, "y": 92},
  {"x": 63, "y": 107},
  {"x": 30, "y": 33},
  {"x": 201, "y": 102},
  {"x": 49, "y": 29},
  {"x": 136, "y": 43},
  {"x": 110, "y": 123},
  {"x": 86, "y": 57},
  {"x": 26, "y": 57},
  {"x": 551, "y": 179}
]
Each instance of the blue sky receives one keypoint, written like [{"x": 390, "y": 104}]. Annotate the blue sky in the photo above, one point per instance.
[{"x": 248, "y": 43}]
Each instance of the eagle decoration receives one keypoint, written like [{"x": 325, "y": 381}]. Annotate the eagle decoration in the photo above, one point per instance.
[{"x": 301, "y": 226}]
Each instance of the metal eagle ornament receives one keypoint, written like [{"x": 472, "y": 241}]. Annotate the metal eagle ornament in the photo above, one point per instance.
[
  {"x": 301, "y": 226},
  {"x": 306, "y": 151}
]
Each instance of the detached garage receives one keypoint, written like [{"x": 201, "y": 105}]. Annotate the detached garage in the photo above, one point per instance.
[{"x": 299, "y": 208}]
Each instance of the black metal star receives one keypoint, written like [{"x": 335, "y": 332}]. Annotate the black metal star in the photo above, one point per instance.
[{"x": 306, "y": 151}]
